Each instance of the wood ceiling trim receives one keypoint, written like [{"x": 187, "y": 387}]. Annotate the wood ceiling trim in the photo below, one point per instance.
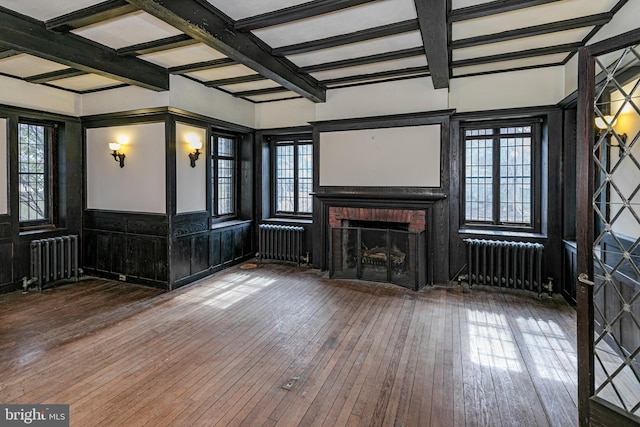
[
  {"x": 378, "y": 75},
  {"x": 89, "y": 15},
  {"x": 154, "y": 46},
  {"x": 55, "y": 75},
  {"x": 235, "y": 80},
  {"x": 363, "y": 60},
  {"x": 536, "y": 30},
  {"x": 295, "y": 13},
  {"x": 7, "y": 53},
  {"x": 204, "y": 65},
  {"x": 354, "y": 37},
  {"x": 210, "y": 26},
  {"x": 529, "y": 53},
  {"x": 435, "y": 30},
  {"x": 31, "y": 36},
  {"x": 493, "y": 8},
  {"x": 256, "y": 92}
]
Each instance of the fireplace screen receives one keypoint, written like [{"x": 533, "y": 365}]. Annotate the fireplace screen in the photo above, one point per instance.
[{"x": 379, "y": 255}]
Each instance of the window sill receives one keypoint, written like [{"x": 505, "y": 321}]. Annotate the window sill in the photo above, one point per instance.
[
  {"x": 42, "y": 231},
  {"x": 230, "y": 223},
  {"x": 477, "y": 233},
  {"x": 272, "y": 220}
]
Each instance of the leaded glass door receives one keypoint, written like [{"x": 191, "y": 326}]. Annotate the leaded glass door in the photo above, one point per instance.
[{"x": 608, "y": 218}]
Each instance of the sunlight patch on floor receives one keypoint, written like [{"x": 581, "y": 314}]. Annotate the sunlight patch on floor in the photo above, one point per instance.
[
  {"x": 236, "y": 288},
  {"x": 491, "y": 341}
]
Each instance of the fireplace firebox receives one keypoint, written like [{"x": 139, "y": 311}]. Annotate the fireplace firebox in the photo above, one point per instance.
[{"x": 389, "y": 254}]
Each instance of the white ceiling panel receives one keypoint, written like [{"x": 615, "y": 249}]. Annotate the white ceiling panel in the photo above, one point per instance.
[
  {"x": 341, "y": 22},
  {"x": 183, "y": 55},
  {"x": 273, "y": 96},
  {"x": 246, "y": 8},
  {"x": 43, "y": 10},
  {"x": 459, "y": 4},
  {"x": 417, "y": 61},
  {"x": 127, "y": 30},
  {"x": 85, "y": 82},
  {"x": 506, "y": 65},
  {"x": 543, "y": 14},
  {"x": 221, "y": 73},
  {"x": 24, "y": 65},
  {"x": 355, "y": 50},
  {"x": 522, "y": 44}
]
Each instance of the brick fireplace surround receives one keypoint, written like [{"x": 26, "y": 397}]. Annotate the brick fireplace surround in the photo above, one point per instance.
[{"x": 416, "y": 219}]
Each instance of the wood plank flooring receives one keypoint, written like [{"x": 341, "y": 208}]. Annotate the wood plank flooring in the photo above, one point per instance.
[{"x": 217, "y": 353}]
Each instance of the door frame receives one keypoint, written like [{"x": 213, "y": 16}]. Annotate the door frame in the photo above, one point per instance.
[{"x": 591, "y": 410}]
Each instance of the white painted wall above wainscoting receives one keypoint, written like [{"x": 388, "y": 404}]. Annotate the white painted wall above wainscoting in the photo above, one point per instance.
[
  {"x": 140, "y": 186},
  {"x": 4, "y": 168},
  {"x": 191, "y": 183},
  {"x": 38, "y": 97}
]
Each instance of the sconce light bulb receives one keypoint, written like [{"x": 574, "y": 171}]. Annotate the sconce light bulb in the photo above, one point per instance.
[
  {"x": 114, "y": 146},
  {"x": 194, "y": 141},
  {"x": 603, "y": 122}
]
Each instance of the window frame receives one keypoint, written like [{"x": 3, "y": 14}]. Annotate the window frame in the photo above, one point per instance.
[
  {"x": 51, "y": 141},
  {"x": 294, "y": 140},
  {"x": 214, "y": 157},
  {"x": 536, "y": 124}
]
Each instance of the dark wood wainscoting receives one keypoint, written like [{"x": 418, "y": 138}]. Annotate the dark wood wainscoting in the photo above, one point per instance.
[
  {"x": 127, "y": 244},
  {"x": 199, "y": 250},
  {"x": 6, "y": 257},
  {"x": 569, "y": 271}
]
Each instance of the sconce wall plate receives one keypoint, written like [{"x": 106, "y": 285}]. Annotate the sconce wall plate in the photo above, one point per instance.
[{"x": 193, "y": 157}]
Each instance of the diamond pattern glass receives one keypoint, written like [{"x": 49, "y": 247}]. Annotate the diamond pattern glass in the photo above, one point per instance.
[{"x": 616, "y": 249}]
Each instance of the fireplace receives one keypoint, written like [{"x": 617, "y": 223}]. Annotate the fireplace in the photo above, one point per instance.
[{"x": 375, "y": 244}]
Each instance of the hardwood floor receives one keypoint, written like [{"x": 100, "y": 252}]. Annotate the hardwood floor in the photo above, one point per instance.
[{"x": 218, "y": 352}]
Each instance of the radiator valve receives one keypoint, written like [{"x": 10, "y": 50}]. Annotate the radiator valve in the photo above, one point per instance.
[
  {"x": 549, "y": 285},
  {"x": 27, "y": 282}
]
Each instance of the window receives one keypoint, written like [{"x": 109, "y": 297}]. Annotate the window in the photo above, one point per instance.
[
  {"x": 35, "y": 186},
  {"x": 500, "y": 180},
  {"x": 293, "y": 175},
  {"x": 223, "y": 175}
]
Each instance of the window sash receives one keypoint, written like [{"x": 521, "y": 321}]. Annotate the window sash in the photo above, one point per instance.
[
  {"x": 499, "y": 174},
  {"x": 293, "y": 176},
  {"x": 223, "y": 175},
  {"x": 34, "y": 174}
]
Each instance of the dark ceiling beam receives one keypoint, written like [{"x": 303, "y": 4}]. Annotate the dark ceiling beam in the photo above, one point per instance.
[
  {"x": 363, "y": 60},
  {"x": 199, "y": 66},
  {"x": 343, "y": 39},
  {"x": 208, "y": 25},
  {"x": 529, "y": 53},
  {"x": 235, "y": 80},
  {"x": 55, "y": 75},
  {"x": 295, "y": 13},
  {"x": 432, "y": 16},
  {"x": 256, "y": 92},
  {"x": 536, "y": 30},
  {"x": 493, "y": 8},
  {"x": 30, "y": 36},
  {"x": 379, "y": 75},
  {"x": 89, "y": 15},
  {"x": 156, "y": 45}
]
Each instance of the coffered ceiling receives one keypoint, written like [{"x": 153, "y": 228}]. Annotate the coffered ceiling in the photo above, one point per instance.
[{"x": 266, "y": 50}]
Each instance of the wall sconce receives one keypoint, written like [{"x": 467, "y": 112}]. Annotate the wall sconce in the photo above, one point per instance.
[
  {"x": 118, "y": 156},
  {"x": 606, "y": 124},
  {"x": 196, "y": 145}
]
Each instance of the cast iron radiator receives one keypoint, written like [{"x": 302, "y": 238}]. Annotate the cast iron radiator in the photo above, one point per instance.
[
  {"x": 280, "y": 242},
  {"x": 506, "y": 264},
  {"x": 54, "y": 259}
]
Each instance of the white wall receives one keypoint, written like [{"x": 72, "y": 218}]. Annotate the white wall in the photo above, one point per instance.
[
  {"x": 19, "y": 93},
  {"x": 541, "y": 86},
  {"x": 122, "y": 99},
  {"x": 4, "y": 168},
  {"x": 625, "y": 20},
  {"x": 191, "y": 183},
  {"x": 403, "y": 96},
  {"x": 394, "y": 157},
  {"x": 138, "y": 187}
]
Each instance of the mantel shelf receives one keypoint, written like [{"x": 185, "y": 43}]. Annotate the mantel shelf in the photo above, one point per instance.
[{"x": 380, "y": 196}]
